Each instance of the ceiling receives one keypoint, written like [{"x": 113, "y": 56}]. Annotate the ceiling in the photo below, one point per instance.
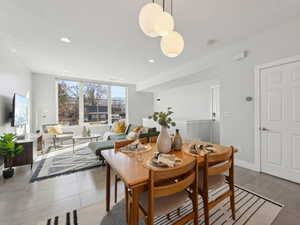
[{"x": 107, "y": 43}]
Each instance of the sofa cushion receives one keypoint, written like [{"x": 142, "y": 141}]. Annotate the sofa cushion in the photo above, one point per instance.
[
  {"x": 117, "y": 137},
  {"x": 98, "y": 146}
]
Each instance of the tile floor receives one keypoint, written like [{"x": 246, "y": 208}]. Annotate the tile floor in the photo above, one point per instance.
[{"x": 24, "y": 203}]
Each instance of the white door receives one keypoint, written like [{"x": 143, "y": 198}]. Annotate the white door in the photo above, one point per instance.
[{"x": 280, "y": 121}]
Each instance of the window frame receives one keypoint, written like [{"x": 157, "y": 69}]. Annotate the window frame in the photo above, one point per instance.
[{"x": 81, "y": 101}]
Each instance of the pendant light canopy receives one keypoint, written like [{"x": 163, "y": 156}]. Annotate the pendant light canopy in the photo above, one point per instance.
[
  {"x": 172, "y": 44},
  {"x": 164, "y": 24},
  {"x": 148, "y": 18}
]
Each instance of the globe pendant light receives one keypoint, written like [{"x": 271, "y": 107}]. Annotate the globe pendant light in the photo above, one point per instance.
[
  {"x": 148, "y": 18},
  {"x": 164, "y": 24},
  {"x": 172, "y": 44}
]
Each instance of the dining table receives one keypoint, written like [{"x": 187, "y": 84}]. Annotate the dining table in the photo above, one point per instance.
[{"x": 133, "y": 170}]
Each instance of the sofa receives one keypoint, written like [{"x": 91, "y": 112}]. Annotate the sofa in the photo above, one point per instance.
[{"x": 98, "y": 146}]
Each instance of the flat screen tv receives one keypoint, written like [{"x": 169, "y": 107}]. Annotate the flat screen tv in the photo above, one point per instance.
[{"x": 20, "y": 110}]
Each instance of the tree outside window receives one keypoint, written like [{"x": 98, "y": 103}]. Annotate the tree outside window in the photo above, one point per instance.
[
  {"x": 68, "y": 102},
  {"x": 95, "y": 103},
  {"x": 91, "y": 103}
]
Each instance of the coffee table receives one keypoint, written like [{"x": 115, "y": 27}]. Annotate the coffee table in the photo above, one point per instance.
[{"x": 78, "y": 137}]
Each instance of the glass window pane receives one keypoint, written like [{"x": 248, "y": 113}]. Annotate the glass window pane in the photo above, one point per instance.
[
  {"x": 68, "y": 102},
  {"x": 95, "y": 98},
  {"x": 118, "y": 103}
]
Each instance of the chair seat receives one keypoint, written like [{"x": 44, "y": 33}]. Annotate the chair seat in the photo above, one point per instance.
[
  {"x": 214, "y": 182},
  {"x": 165, "y": 205}
]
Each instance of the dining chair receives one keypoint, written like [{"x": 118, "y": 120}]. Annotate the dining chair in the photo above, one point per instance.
[
  {"x": 212, "y": 177},
  {"x": 153, "y": 139},
  {"x": 117, "y": 146},
  {"x": 168, "y": 190}
]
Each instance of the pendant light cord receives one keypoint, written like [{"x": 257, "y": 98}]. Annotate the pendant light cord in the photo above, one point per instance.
[
  {"x": 171, "y": 7},
  {"x": 164, "y": 5}
]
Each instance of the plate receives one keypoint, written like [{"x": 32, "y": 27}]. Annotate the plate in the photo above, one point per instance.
[{"x": 148, "y": 148}]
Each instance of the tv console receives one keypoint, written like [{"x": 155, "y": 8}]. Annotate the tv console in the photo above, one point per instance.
[{"x": 32, "y": 143}]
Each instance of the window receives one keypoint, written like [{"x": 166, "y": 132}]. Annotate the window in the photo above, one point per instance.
[
  {"x": 68, "y": 102},
  {"x": 95, "y": 97},
  {"x": 118, "y": 103},
  {"x": 92, "y": 103}
]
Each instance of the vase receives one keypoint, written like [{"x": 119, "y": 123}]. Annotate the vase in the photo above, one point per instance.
[{"x": 164, "y": 141}]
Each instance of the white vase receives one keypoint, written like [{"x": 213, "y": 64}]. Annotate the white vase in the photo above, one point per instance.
[{"x": 164, "y": 141}]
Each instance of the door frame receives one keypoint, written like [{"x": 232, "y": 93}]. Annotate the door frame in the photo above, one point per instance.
[{"x": 257, "y": 104}]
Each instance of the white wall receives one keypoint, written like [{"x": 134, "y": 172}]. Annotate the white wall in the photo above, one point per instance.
[
  {"x": 237, "y": 81},
  {"x": 140, "y": 104},
  {"x": 43, "y": 100},
  {"x": 14, "y": 78},
  {"x": 190, "y": 102}
]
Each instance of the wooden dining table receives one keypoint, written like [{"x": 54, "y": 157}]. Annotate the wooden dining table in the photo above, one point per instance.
[{"x": 135, "y": 173}]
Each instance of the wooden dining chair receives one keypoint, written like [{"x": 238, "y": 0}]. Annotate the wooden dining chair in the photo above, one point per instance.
[
  {"x": 117, "y": 146},
  {"x": 168, "y": 190},
  {"x": 212, "y": 177}
]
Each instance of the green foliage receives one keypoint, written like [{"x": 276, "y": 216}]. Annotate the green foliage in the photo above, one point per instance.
[
  {"x": 8, "y": 147},
  {"x": 164, "y": 118}
]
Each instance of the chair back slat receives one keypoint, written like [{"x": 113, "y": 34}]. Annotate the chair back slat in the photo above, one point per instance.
[
  {"x": 120, "y": 144},
  {"x": 143, "y": 140},
  {"x": 153, "y": 139},
  {"x": 219, "y": 168},
  {"x": 165, "y": 174},
  {"x": 218, "y": 158},
  {"x": 170, "y": 189}
]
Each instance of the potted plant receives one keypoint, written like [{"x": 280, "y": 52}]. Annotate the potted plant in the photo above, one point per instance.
[
  {"x": 164, "y": 142},
  {"x": 9, "y": 149}
]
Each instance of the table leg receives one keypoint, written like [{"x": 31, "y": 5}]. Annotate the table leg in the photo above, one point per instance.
[
  {"x": 134, "y": 214},
  {"x": 126, "y": 203},
  {"x": 107, "y": 187}
]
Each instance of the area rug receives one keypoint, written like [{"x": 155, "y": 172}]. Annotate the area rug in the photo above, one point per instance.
[
  {"x": 65, "y": 162},
  {"x": 251, "y": 209}
]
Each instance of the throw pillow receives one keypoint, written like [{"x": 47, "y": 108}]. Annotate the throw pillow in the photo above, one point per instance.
[
  {"x": 137, "y": 129},
  {"x": 55, "y": 129},
  {"x": 120, "y": 127}
]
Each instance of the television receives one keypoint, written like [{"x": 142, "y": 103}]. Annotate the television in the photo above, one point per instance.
[{"x": 20, "y": 110}]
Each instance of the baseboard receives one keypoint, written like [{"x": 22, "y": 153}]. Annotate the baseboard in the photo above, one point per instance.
[{"x": 245, "y": 164}]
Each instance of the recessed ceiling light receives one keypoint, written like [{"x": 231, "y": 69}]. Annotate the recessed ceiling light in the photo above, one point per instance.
[
  {"x": 65, "y": 40},
  {"x": 13, "y": 50},
  {"x": 151, "y": 61}
]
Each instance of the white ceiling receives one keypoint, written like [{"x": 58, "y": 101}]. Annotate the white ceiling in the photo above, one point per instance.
[{"x": 107, "y": 42}]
